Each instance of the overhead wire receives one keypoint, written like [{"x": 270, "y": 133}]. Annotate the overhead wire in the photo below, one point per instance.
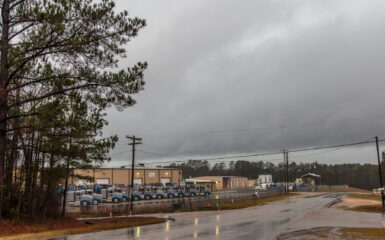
[
  {"x": 263, "y": 154},
  {"x": 261, "y": 128}
]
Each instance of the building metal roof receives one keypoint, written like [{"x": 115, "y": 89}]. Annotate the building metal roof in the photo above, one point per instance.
[
  {"x": 310, "y": 175},
  {"x": 193, "y": 180},
  {"x": 225, "y": 176},
  {"x": 129, "y": 168}
]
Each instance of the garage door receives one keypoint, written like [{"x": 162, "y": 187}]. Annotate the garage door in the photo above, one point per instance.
[
  {"x": 103, "y": 181},
  {"x": 164, "y": 181},
  {"x": 138, "y": 181},
  {"x": 82, "y": 182}
]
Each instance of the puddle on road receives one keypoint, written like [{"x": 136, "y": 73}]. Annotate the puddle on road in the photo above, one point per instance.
[{"x": 252, "y": 230}]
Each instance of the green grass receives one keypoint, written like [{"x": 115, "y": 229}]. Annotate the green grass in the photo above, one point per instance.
[{"x": 244, "y": 204}]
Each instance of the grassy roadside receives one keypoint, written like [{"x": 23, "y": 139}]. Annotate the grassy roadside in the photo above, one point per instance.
[
  {"x": 245, "y": 203},
  {"x": 373, "y": 208},
  {"x": 334, "y": 233},
  {"x": 362, "y": 233},
  {"x": 364, "y": 196},
  {"x": 67, "y": 226},
  {"x": 368, "y": 208}
]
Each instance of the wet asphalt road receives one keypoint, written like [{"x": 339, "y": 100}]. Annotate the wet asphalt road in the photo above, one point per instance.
[{"x": 262, "y": 222}]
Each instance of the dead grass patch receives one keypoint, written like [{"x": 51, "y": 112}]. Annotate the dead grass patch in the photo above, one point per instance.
[
  {"x": 362, "y": 233},
  {"x": 365, "y": 196},
  {"x": 369, "y": 208},
  {"x": 67, "y": 226}
]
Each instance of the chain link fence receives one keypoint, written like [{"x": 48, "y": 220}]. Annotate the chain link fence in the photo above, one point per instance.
[{"x": 175, "y": 204}]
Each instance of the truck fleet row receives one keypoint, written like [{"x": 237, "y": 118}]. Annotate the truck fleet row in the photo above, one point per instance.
[{"x": 94, "y": 195}]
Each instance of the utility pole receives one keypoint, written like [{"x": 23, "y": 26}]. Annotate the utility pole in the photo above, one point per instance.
[
  {"x": 379, "y": 162},
  {"x": 287, "y": 172},
  {"x": 380, "y": 172},
  {"x": 316, "y": 177},
  {"x": 134, "y": 141},
  {"x": 284, "y": 162}
]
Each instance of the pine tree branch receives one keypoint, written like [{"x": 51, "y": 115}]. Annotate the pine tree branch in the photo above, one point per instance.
[
  {"x": 16, "y": 4},
  {"x": 20, "y": 31},
  {"x": 22, "y": 115},
  {"x": 56, "y": 93}
]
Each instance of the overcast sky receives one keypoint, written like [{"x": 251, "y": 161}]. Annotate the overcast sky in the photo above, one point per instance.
[{"x": 242, "y": 77}]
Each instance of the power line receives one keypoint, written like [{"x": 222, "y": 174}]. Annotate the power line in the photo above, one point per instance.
[
  {"x": 272, "y": 153},
  {"x": 182, "y": 161},
  {"x": 314, "y": 154},
  {"x": 113, "y": 154},
  {"x": 262, "y": 128},
  {"x": 334, "y": 146},
  {"x": 168, "y": 149},
  {"x": 160, "y": 154}
]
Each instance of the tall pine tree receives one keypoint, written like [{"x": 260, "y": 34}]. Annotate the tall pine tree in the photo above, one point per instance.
[{"x": 50, "y": 49}]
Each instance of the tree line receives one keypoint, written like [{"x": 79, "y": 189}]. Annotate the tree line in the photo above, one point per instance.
[
  {"x": 365, "y": 176},
  {"x": 58, "y": 74}
]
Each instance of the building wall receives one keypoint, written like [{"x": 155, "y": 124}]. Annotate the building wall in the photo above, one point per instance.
[
  {"x": 265, "y": 178},
  {"x": 123, "y": 176},
  {"x": 232, "y": 182},
  {"x": 252, "y": 182},
  {"x": 238, "y": 182},
  {"x": 218, "y": 181}
]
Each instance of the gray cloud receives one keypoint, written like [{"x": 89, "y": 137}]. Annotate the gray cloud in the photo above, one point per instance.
[{"x": 229, "y": 77}]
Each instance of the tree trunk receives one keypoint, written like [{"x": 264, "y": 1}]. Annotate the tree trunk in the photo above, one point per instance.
[
  {"x": 3, "y": 95},
  {"x": 67, "y": 174},
  {"x": 65, "y": 187}
]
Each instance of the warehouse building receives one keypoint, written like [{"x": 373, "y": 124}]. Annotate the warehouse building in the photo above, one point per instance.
[
  {"x": 113, "y": 176},
  {"x": 208, "y": 184},
  {"x": 226, "y": 182},
  {"x": 311, "y": 179}
]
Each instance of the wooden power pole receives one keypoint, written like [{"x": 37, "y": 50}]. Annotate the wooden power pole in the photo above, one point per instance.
[
  {"x": 380, "y": 173},
  {"x": 134, "y": 141},
  {"x": 284, "y": 163},
  {"x": 287, "y": 172},
  {"x": 316, "y": 176},
  {"x": 379, "y": 162}
]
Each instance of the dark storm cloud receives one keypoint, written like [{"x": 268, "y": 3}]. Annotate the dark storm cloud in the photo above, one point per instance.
[{"x": 229, "y": 77}]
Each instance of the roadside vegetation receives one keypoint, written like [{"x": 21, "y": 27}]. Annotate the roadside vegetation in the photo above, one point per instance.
[
  {"x": 373, "y": 208},
  {"x": 334, "y": 233},
  {"x": 369, "y": 208},
  {"x": 67, "y": 226},
  {"x": 373, "y": 197},
  {"x": 245, "y": 203},
  {"x": 348, "y": 189},
  {"x": 362, "y": 233}
]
